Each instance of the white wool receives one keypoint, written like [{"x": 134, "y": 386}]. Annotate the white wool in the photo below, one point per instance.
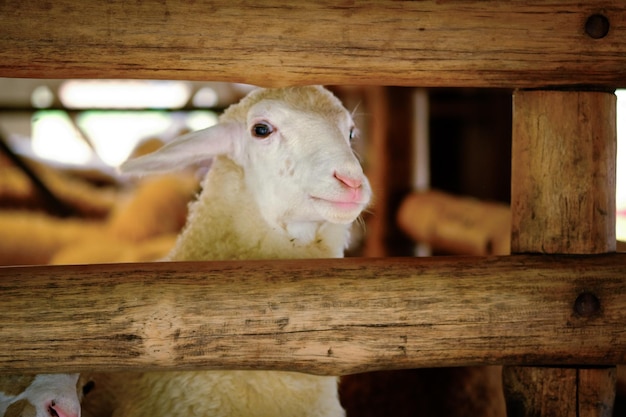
[
  {"x": 292, "y": 194},
  {"x": 215, "y": 394},
  {"x": 40, "y": 395}
]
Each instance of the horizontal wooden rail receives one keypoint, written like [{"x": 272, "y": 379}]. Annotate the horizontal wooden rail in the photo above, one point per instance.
[
  {"x": 335, "y": 316},
  {"x": 428, "y": 43}
]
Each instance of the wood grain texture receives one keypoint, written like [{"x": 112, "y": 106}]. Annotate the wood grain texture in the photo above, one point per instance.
[
  {"x": 546, "y": 394},
  {"x": 596, "y": 392},
  {"x": 335, "y": 316},
  {"x": 563, "y": 201},
  {"x": 563, "y": 172},
  {"x": 550, "y": 391},
  {"x": 426, "y": 43}
]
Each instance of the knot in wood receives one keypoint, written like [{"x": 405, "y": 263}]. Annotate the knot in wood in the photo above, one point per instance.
[
  {"x": 587, "y": 304},
  {"x": 597, "y": 26}
]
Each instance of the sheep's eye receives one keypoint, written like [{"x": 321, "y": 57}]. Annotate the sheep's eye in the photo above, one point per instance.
[
  {"x": 262, "y": 130},
  {"x": 352, "y": 135}
]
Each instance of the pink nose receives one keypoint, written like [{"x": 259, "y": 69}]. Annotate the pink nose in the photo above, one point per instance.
[
  {"x": 350, "y": 182},
  {"x": 55, "y": 410}
]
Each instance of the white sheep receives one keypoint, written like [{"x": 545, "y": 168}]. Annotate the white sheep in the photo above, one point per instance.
[
  {"x": 43, "y": 395},
  {"x": 284, "y": 183}
]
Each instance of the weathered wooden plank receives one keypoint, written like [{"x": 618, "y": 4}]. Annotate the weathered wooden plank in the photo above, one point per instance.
[
  {"x": 563, "y": 201},
  {"x": 563, "y": 182},
  {"x": 335, "y": 316},
  {"x": 550, "y": 391},
  {"x": 596, "y": 391},
  {"x": 428, "y": 43}
]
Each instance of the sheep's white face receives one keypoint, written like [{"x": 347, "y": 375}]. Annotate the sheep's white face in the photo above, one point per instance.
[
  {"x": 301, "y": 166},
  {"x": 43, "y": 395},
  {"x": 298, "y": 161}
]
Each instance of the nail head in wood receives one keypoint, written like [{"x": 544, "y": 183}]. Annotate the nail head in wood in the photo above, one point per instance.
[
  {"x": 587, "y": 304},
  {"x": 597, "y": 26}
]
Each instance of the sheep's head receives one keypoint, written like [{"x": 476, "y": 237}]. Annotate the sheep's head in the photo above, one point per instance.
[
  {"x": 43, "y": 395},
  {"x": 294, "y": 146}
]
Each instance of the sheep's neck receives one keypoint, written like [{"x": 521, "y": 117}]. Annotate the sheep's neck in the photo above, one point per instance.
[{"x": 225, "y": 223}]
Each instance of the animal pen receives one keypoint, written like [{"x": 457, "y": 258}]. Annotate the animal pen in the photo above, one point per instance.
[{"x": 553, "y": 312}]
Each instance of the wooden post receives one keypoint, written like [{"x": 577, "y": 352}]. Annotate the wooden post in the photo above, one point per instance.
[{"x": 563, "y": 201}]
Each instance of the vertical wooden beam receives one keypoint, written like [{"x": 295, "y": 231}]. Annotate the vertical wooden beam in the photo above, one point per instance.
[
  {"x": 563, "y": 173},
  {"x": 596, "y": 391},
  {"x": 563, "y": 201},
  {"x": 388, "y": 168},
  {"x": 377, "y": 169}
]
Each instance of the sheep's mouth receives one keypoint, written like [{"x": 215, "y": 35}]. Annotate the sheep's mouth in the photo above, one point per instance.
[
  {"x": 340, "y": 204},
  {"x": 338, "y": 211}
]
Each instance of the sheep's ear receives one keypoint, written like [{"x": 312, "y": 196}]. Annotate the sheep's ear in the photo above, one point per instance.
[{"x": 193, "y": 148}]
